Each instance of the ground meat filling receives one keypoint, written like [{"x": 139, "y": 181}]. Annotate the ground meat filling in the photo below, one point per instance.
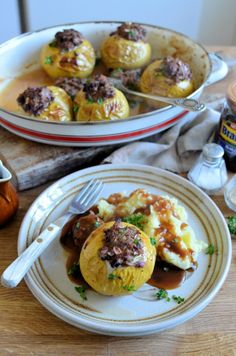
[
  {"x": 98, "y": 89},
  {"x": 70, "y": 85},
  {"x": 35, "y": 100},
  {"x": 131, "y": 78},
  {"x": 176, "y": 69},
  {"x": 123, "y": 246},
  {"x": 131, "y": 32},
  {"x": 67, "y": 40}
]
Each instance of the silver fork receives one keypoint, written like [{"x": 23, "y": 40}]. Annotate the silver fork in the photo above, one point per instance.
[
  {"x": 87, "y": 196},
  {"x": 188, "y": 104}
]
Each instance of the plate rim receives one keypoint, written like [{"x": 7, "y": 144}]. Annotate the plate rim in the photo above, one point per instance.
[{"x": 127, "y": 330}]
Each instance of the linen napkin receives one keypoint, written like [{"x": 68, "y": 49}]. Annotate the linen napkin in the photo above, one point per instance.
[{"x": 176, "y": 149}]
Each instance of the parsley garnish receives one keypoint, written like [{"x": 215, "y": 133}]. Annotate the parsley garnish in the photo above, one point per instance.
[
  {"x": 52, "y": 44},
  {"x": 74, "y": 269},
  {"x": 97, "y": 224},
  {"x": 90, "y": 100},
  {"x": 132, "y": 33},
  {"x": 210, "y": 249},
  {"x": 100, "y": 101},
  {"x": 75, "y": 108},
  {"x": 136, "y": 219},
  {"x": 112, "y": 276},
  {"x": 81, "y": 290},
  {"x": 136, "y": 241},
  {"x": 129, "y": 288},
  {"x": 231, "y": 221},
  {"x": 48, "y": 60},
  {"x": 178, "y": 299},
  {"x": 162, "y": 294},
  {"x": 153, "y": 241}
]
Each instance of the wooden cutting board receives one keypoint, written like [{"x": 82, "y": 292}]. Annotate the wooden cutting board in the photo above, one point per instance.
[{"x": 32, "y": 164}]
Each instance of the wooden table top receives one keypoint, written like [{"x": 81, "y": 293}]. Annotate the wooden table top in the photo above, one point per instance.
[{"x": 26, "y": 327}]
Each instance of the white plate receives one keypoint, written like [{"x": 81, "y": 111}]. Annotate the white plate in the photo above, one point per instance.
[{"x": 140, "y": 313}]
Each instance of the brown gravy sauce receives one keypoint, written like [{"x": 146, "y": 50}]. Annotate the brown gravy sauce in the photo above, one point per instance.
[
  {"x": 165, "y": 276},
  {"x": 39, "y": 78}
]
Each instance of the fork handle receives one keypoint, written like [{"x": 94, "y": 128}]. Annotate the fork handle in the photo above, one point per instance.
[{"x": 14, "y": 273}]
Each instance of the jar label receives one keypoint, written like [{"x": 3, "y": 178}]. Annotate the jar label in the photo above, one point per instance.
[{"x": 228, "y": 133}]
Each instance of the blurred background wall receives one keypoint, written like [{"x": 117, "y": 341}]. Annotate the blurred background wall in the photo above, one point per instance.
[{"x": 207, "y": 21}]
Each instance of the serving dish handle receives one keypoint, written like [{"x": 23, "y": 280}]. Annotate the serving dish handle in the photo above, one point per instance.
[{"x": 219, "y": 69}]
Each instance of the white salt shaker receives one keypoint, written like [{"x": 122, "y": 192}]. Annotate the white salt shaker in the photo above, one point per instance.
[{"x": 209, "y": 172}]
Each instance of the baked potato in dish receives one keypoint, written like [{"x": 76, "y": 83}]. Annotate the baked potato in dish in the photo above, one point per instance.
[
  {"x": 68, "y": 55},
  {"x": 99, "y": 100},
  {"x": 46, "y": 103},
  {"x": 126, "y": 48},
  {"x": 117, "y": 259},
  {"x": 169, "y": 77}
]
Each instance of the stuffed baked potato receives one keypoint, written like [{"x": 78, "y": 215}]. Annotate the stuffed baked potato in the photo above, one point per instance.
[
  {"x": 68, "y": 55},
  {"x": 126, "y": 48},
  {"x": 117, "y": 259},
  {"x": 99, "y": 100},
  {"x": 169, "y": 77},
  {"x": 46, "y": 103}
]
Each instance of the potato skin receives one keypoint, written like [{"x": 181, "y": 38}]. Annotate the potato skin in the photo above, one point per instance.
[
  {"x": 110, "y": 109},
  {"x": 159, "y": 84},
  {"x": 117, "y": 52},
  {"x": 61, "y": 107},
  {"x": 54, "y": 67},
  {"x": 95, "y": 272}
]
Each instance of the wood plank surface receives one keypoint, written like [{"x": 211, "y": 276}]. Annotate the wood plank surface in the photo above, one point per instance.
[{"x": 27, "y": 328}]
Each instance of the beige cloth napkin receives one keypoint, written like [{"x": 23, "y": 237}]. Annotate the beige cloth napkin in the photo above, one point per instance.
[{"x": 176, "y": 149}]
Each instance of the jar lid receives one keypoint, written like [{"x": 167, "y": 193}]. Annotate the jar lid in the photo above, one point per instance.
[
  {"x": 212, "y": 152},
  {"x": 231, "y": 95}
]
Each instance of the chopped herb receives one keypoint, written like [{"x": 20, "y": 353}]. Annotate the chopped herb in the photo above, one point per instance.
[
  {"x": 162, "y": 294},
  {"x": 174, "y": 240},
  {"x": 112, "y": 276},
  {"x": 116, "y": 73},
  {"x": 178, "y": 299},
  {"x": 81, "y": 290},
  {"x": 48, "y": 60},
  {"x": 136, "y": 241},
  {"x": 52, "y": 44},
  {"x": 132, "y": 33},
  {"x": 97, "y": 224},
  {"x": 129, "y": 288},
  {"x": 77, "y": 225},
  {"x": 231, "y": 221},
  {"x": 100, "y": 101},
  {"x": 153, "y": 241},
  {"x": 75, "y": 108},
  {"x": 210, "y": 249},
  {"x": 74, "y": 269},
  {"x": 90, "y": 100},
  {"x": 136, "y": 219}
]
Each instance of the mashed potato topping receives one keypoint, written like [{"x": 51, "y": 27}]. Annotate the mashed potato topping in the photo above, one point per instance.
[{"x": 162, "y": 219}]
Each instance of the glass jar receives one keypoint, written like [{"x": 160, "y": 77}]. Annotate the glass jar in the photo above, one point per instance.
[
  {"x": 230, "y": 193},
  {"x": 209, "y": 172},
  {"x": 226, "y": 133}
]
